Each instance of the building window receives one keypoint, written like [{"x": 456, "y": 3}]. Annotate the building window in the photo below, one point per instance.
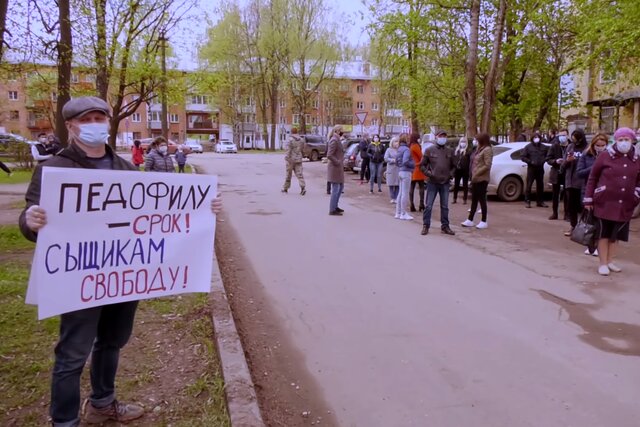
[
  {"x": 360, "y": 105},
  {"x": 14, "y": 115},
  {"x": 375, "y": 106},
  {"x": 307, "y": 118},
  {"x": 200, "y": 99},
  {"x": 283, "y": 103},
  {"x": 344, "y": 87},
  {"x": 54, "y": 97},
  {"x": 374, "y": 122},
  {"x": 135, "y": 118},
  {"x": 90, "y": 78},
  {"x": 173, "y": 118},
  {"x": 607, "y": 118},
  {"x": 250, "y": 102},
  {"x": 229, "y": 102},
  {"x": 308, "y": 85},
  {"x": 329, "y": 104},
  {"x": 405, "y": 122},
  {"x": 283, "y": 120},
  {"x": 153, "y": 116},
  {"x": 360, "y": 89},
  {"x": 316, "y": 104},
  {"x": 374, "y": 90},
  {"x": 296, "y": 119},
  {"x": 608, "y": 76},
  {"x": 13, "y": 95},
  {"x": 314, "y": 120},
  {"x": 137, "y": 135},
  {"x": 74, "y": 78}
]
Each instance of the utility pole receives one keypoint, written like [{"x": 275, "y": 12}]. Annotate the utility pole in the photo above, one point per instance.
[{"x": 163, "y": 86}]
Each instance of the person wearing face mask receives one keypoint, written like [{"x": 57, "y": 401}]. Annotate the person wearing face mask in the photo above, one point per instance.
[
  {"x": 597, "y": 146},
  {"x": 555, "y": 158},
  {"x": 481, "y": 162},
  {"x": 335, "y": 170},
  {"x": 100, "y": 331},
  {"x": 417, "y": 177},
  {"x": 438, "y": 166},
  {"x": 572, "y": 182},
  {"x": 405, "y": 163},
  {"x": 535, "y": 156},
  {"x": 613, "y": 191},
  {"x": 393, "y": 179},
  {"x": 462, "y": 159},
  {"x": 375, "y": 153},
  {"x": 158, "y": 159},
  {"x": 39, "y": 151}
]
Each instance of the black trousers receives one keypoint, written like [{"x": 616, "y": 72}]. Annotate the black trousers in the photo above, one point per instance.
[
  {"x": 364, "y": 170},
  {"x": 412, "y": 190},
  {"x": 574, "y": 204},
  {"x": 461, "y": 176},
  {"x": 559, "y": 193},
  {"x": 5, "y": 168},
  {"x": 479, "y": 195},
  {"x": 535, "y": 173}
]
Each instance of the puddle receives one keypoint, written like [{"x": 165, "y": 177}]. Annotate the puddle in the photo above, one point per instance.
[
  {"x": 612, "y": 337},
  {"x": 264, "y": 213}
]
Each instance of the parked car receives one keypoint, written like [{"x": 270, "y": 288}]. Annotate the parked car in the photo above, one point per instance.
[
  {"x": 172, "y": 145},
  {"x": 194, "y": 146},
  {"x": 315, "y": 147},
  {"x": 225, "y": 146},
  {"x": 350, "y": 157},
  {"x": 358, "y": 166},
  {"x": 509, "y": 173}
]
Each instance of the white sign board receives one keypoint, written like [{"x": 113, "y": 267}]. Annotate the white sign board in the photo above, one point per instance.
[{"x": 115, "y": 236}]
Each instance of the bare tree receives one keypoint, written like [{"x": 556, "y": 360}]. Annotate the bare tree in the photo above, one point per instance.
[{"x": 65, "y": 56}]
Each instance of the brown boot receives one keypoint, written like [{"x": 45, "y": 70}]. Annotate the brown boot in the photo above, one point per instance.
[{"x": 121, "y": 412}]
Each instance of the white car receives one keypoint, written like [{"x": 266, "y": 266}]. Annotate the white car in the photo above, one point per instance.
[
  {"x": 226, "y": 147},
  {"x": 509, "y": 172},
  {"x": 194, "y": 145}
]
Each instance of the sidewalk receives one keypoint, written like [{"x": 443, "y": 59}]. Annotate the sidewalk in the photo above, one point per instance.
[{"x": 14, "y": 189}]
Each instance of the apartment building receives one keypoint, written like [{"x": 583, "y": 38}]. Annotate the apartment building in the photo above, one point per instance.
[
  {"x": 351, "y": 98},
  {"x": 607, "y": 101}
]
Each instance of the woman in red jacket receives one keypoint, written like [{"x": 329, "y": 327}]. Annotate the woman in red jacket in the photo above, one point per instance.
[
  {"x": 417, "y": 177},
  {"x": 613, "y": 191},
  {"x": 137, "y": 155}
]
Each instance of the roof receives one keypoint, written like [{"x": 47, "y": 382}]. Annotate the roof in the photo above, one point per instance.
[{"x": 618, "y": 99}]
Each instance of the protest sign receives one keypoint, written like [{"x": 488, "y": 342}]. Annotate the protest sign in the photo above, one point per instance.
[{"x": 115, "y": 236}]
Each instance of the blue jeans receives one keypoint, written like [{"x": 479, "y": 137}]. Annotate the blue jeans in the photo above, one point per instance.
[
  {"x": 101, "y": 331},
  {"x": 432, "y": 191},
  {"x": 403, "y": 193},
  {"x": 336, "y": 191},
  {"x": 376, "y": 173}
]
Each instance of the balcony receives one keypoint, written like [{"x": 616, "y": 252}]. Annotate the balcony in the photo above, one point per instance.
[
  {"x": 155, "y": 125},
  {"x": 203, "y": 125}
]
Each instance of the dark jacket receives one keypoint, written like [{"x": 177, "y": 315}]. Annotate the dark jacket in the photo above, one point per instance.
[
  {"x": 570, "y": 168},
  {"x": 363, "y": 149},
  {"x": 535, "y": 155},
  {"x": 335, "y": 157},
  {"x": 404, "y": 160},
  {"x": 375, "y": 152},
  {"x": 437, "y": 164},
  {"x": 585, "y": 163},
  {"x": 158, "y": 162},
  {"x": 60, "y": 161},
  {"x": 613, "y": 188},
  {"x": 556, "y": 152},
  {"x": 462, "y": 160},
  {"x": 181, "y": 157}
]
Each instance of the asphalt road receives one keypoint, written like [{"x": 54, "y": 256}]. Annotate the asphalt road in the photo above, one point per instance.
[{"x": 509, "y": 326}]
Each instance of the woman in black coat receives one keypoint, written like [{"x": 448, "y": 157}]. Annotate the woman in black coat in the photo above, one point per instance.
[{"x": 462, "y": 160}]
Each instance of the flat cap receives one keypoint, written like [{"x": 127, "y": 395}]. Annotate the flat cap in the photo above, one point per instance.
[
  {"x": 77, "y": 107},
  {"x": 441, "y": 132}
]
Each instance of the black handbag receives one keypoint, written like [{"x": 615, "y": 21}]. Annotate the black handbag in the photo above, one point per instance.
[{"x": 584, "y": 232}]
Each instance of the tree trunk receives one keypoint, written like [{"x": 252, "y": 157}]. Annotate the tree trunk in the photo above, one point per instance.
[
  {"x": 492, "y": 74},
  {"x": 413, "y": 73},
  {"x": 471, "y": 65},
  {"x": 274, "y": 113},
  {"x": 4, "y": 5},
  {"x": 65, "y": 52},
  {"x": 102, "y": 74}
]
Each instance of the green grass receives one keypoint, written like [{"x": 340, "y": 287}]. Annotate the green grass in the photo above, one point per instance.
[
  {"x": 25, "y": 342},
  {"x": 17, "y": 177},
  {"x": 187, "y": 168},
  {"x": 12, "y": 241}
]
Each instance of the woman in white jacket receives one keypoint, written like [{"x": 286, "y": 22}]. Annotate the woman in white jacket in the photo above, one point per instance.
[{"x": 393, "y": 180}]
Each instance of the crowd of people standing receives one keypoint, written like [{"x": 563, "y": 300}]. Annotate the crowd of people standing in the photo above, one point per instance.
[{"x": 599, "y": 176}]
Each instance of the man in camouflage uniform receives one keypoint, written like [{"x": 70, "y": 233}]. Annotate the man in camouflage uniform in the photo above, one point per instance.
[{"x": 293, "y": 158}]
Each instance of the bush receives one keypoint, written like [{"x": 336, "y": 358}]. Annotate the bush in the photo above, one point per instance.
[{"x": 19, "y": 153}]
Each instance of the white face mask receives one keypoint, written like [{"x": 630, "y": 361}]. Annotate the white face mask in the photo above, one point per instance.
[
  {"x": 536, "y": 140},
  {"x": 563, "y": 139},
  {"x": 624, "y": 146},
  {"x": 475, "y": 142},
  {"x": 441, "y": 141},
  {"x": 94, "y": 134},
  {"x": 163, "y": 149},
  {"x": 599, "y": 149},
  {"x": 42, "y": 140}
]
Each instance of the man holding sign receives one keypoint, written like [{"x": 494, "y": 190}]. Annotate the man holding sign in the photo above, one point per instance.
[{"x": 101, "y": 330}]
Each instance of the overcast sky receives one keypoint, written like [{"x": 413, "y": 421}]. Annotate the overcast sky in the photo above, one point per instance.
[{"x": 189, "y": 35}]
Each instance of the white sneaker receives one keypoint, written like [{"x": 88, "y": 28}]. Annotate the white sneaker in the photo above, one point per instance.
[
  {"x": 478, "y": 211},
  {"x": 398, "y": 216},
  {"x": 482, "y": 225},
  {"x": 614, "y": 268},
  {"x": 391, "y": 201},
  {"x": 586, "y": 252},
  {"x": 467, "y": 223},
  {"x": 603, "y": 270},
  {"x": 595, "y": 253},
  {"x": 406, "y": 217}
]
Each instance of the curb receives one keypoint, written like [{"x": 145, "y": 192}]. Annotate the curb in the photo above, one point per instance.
[{"x": 242, "y": 401}]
